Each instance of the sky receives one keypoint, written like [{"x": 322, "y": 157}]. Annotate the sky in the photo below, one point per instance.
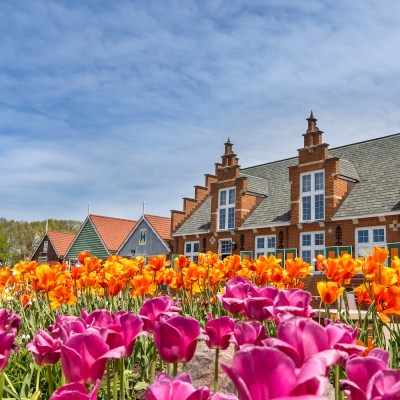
[{"x": 112, "y": 103}]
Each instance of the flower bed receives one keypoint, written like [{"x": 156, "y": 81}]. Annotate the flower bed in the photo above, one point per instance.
[{"x": 111, "y": 329}]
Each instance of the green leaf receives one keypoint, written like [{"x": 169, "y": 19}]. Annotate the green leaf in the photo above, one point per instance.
[
  {"x": 140, "y": 386},
  {"x": 36, "y": 395}
]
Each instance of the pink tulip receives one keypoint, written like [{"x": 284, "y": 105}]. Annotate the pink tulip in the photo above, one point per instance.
[
  {"x": 384, "y": 385},
  {"x": 301, "y": 338},
  {"x": 157, "y": 309},
  {"x": 259, "y": 306},
  {"x": 84, "y": 357},
  {"x": 9, "y": 325},
  {"x": 65, "y": 326},
  {"x": 236, "y": 291},
  {"x": 99, "y": 318},
  {"x": 250, "y": 332},
  {"x": 75, "y": 391},
  {"x": 294, "y": 301},
  {"x": 360, "y": 371},
  {"x": 123, "y": 331},
  {"x": 45, "y": 349},
  {"x": 165, "y": 387},
  {"x": 223, "y": 396},
  {"x": 219, "y": 331},
  {"x": 176, "y": 338},
  {"x": 6, "y": 345},
  {"x": 9, "y": 321},
  {"x": 343, "y": 337},
  {"x": 261, "y": 373}
]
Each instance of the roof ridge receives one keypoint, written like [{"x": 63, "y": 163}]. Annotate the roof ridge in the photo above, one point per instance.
[
  {"x": 121, "y": 219},
  {"x": 332, "y": 148},
  {"x": 158, "y": 216}
]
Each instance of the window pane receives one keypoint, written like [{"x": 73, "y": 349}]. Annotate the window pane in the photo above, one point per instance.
[
  {"x": 271, "y": 242},
  {"x": 226, "y": 246},
  {"x": 319, "y": 206},
  {"x": 317, "y": 252},
  {"x": 306, "y": 202},
  {"x": 195, "y": 259},
  {"x": 222, "y": 219},
  {"x": 306, "y": 240},
  {"x": 188, "y": 248},
  {"x": 270, "y": 253},
  {"x": 231, "y": 196},
  {"x": 319, "y": 181},
  {"x": 222, "y": 198},
  {"x": 306, "y": 183},
  {"x": 196, "y": 247},
  {"x": 378, "y": 235},
  {"x": 231, "y": 218},
  {"x": 259, "y": 254},
  {"x": 260, "y": 243},
  {"x": 363, "y": 236},
  {"x": 306, "y": 256},
  {"x": 319, "y": 239}
]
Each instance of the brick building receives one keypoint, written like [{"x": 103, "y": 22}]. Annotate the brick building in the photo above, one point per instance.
[{"x": 323, "y": 201}]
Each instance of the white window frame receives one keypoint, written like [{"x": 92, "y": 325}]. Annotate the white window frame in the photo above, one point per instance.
[
  {"x": 223, "y": 255},
  {"x": 45, "y": 247},
  {"x": 360, "y": 248},
  {"x": 42, "y": 259},
  {"x": 226, "y": 207},
  {"x": 315, "y": 249},
  {"x": 312, "y": 193},
  {"x": 264, "y": 251},
  {"x": 194, "y": 255}
]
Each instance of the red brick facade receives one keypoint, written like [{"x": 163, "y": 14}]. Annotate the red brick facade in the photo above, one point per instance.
[{"x": 313, "y": 156}]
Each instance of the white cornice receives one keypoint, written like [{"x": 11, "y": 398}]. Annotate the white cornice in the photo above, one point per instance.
[{"x": 366, "y": 216}]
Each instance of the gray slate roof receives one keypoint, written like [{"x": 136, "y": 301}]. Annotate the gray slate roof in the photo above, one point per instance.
[
  {"x": 374, "y": 164},
  {"x": 199, "y": 221}
]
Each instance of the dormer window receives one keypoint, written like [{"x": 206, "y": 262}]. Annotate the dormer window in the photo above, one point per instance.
[
  {"x": 226, "y": 209},
  {"x": 312, "y": 196}
]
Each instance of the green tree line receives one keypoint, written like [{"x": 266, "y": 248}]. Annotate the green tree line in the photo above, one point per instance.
[{"x": 18, "y": 239}]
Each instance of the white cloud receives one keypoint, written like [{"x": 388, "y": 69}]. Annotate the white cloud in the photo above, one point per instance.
[{"x": 116, "y": 103}]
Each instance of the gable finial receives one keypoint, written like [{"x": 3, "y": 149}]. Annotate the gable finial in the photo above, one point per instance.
[{"x": 311, "y": 115}]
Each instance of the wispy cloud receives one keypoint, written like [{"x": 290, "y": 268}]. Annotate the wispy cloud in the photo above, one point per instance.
[{"x": 114, "y": 103}]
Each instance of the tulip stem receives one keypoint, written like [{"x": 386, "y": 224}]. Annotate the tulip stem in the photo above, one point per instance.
[
  {"x": 216, "y": 370},
  {"x": 108, "y": 381},
  {"x": 1, "y": 383},
  {"x": 115, "y": 380},
  {"x": 50, "y": 379},
  {"x": 122, "y": 384},
  {"x": 153, "y": 364},
  {"x": 175, "y": 369},
  {"x": 39, "y": 370},
  {"x": 337, "y": 372}
]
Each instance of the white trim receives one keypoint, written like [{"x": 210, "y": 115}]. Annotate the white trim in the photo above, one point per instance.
[
  {"x": 313, "y": 247},
  {"x": 143, "y": 218},
  {"x": 263, "y": 226},
  {"x": 370, "y": 244},
  {"x": 311, "y": 162},
  {"x": 312, "y": 193},
  {"x": 334, "y": 197},
  {"x": 226, "y": 207},
  {"x": 191, "y": 253},
  {"x": 264, "y": 250},
  {"x": 366, "y": 216},
  {"x": 219, "y": 246},
  {"x": 227, "y": 180}
]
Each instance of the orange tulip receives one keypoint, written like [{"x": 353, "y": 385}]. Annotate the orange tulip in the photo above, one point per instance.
[
  {"x": 329, "y": 291},
  {"x": 387, "y": 300},
  {"x": 61, "y": 295}
]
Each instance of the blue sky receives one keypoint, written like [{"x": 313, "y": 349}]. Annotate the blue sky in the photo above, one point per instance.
[{"x": 116, "y": 103}]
